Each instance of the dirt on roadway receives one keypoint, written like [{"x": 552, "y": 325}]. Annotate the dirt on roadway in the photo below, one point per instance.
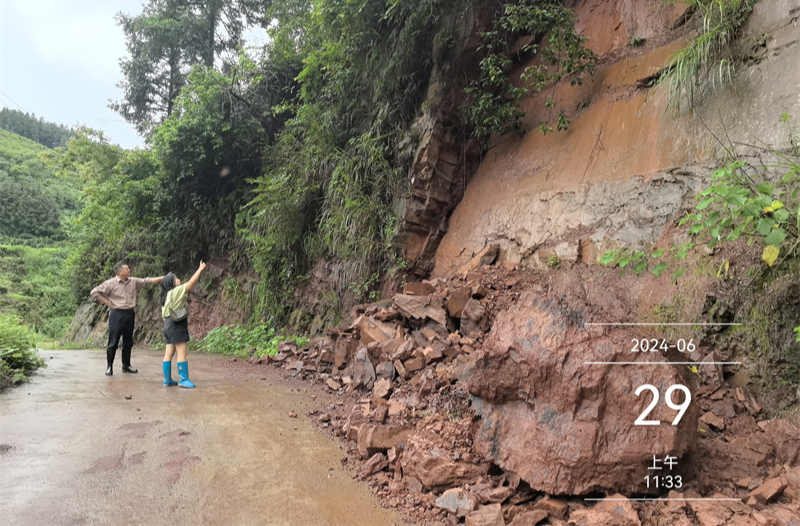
[{"x": 80, "y": 448}]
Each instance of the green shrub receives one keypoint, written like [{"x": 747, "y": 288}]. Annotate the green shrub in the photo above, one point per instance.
[
  {"x": 18, "y": 358},
  {"x": 243, "y": 340}
]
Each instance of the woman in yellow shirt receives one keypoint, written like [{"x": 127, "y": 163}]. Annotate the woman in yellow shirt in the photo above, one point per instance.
[{"x": 176, "y": 327}]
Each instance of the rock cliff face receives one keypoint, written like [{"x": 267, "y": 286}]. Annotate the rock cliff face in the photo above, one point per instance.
[{"x": 627, "y": 164}]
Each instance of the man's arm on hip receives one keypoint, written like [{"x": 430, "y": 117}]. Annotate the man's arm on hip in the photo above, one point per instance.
[{"x": 99, "y": 294}]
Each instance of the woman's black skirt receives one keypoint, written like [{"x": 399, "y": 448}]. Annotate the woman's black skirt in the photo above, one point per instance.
[{"x": 176, "y": 332}]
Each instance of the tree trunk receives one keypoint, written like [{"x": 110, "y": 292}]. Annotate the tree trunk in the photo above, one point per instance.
[{"x": 212, "y": 18}]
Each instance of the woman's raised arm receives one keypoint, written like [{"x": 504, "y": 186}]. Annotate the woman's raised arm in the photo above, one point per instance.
[{"x": 193, "y": 281}]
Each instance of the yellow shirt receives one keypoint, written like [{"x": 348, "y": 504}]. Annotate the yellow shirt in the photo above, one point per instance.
[{"x": 176, "y": 298}]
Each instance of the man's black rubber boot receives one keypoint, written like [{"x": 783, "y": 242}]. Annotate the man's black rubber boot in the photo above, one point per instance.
[
  {"x": 129, "y": 369},
  {"x": 110, "y": 370}
]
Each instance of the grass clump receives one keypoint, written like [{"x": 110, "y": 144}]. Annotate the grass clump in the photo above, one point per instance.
[
  {"x": 708, "y": 61},
  {"x": 243, "y": 340}
]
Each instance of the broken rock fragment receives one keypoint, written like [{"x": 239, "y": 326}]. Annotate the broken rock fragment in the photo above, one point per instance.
[
  {"x": 401, "y": 370},
  {"x": 429, "y": 459},
  {"x": 385, "y": 370},
  {"x": 710, "y": 370},
  {"x": 418, "y": 289},
  {"x": 620, "y": 505},
  {"x": 431, "y": 354},
  {"x": 491, "y": 515},
  {"x": 414, "y": 364},
  {"x": 420, "y": 307},
  {"x": 372, "y": 330},
  {"x": 455, "y": 303},
  {"x": 719, "y": 513},
  {"x": 528, "y": 518},
  {"x": 554, "y": 507},
  {"x": 382, "y": 389},
  {"x": 768, "y": 491},
  {"x": 487, "y": 256},
  {"x": 377, "y": 462},
  {"x": 379, "y": 438},
  {"x": 713, "y": 420},
  {"x": 457, "y": 501},
  {"x": 363, "y": 371},
  {"x": 473, "y": 317}
]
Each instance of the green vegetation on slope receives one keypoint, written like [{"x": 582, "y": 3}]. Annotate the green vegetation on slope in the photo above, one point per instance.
[
  {"x": 35, "y": 286},
  {"x": 37, "y": 205}
]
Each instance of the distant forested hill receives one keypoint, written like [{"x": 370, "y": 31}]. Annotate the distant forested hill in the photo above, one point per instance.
[
  {"x": 38, "y": 130},
  {"x": 34, "y": 199}
]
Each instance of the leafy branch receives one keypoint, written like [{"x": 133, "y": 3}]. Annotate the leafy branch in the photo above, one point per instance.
[{"x": 493, "y": 106}]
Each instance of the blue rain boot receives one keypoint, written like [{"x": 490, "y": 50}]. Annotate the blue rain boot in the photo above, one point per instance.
[
  {"x": 168, "y": 381},
  {"x": 183, "y": 372}
]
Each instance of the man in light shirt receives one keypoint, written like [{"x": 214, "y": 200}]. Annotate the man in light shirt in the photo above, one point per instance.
[{"x": 119, "y": 295}]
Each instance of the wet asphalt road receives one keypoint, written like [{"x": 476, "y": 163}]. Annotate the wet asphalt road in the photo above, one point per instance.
[{"x": 75, "y": 451}]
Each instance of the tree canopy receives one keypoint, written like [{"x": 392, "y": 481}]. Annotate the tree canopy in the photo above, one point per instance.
[{"x": 166, "y": 40}]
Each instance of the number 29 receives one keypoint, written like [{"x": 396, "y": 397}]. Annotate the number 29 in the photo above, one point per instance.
[{"x": 681, "y": 408}]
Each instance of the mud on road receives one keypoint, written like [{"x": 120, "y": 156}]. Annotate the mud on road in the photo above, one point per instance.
[{"x": 75, "y": 450}]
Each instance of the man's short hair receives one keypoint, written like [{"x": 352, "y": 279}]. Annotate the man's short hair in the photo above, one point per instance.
[{"x": 118, "y": 266}]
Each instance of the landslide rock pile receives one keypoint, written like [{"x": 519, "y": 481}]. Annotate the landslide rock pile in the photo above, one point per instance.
[{"x": 472, "y": 401}]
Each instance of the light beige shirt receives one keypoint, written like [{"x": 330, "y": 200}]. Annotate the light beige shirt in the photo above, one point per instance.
[{"x": 120, "y": 294}]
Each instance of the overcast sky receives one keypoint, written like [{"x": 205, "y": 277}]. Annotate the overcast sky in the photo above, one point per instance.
[{"x": 59, "y": 59}]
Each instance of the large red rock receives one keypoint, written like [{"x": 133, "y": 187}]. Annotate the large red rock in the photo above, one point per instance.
[
  {"x": 785, "y": 439},
  {"x": 564, "y": 426}
]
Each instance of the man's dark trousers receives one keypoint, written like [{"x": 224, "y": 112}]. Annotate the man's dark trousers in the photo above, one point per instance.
[{"x": 120, "y": 325}]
